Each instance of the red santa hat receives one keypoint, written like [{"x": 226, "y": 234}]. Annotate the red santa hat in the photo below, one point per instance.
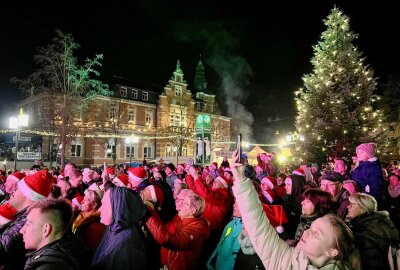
[
  {"x": 182, "y": 165},
  {"x": 224, "y": 181},
  {"x": 122, "y": 180},
  {"x": 16, "y": 177},
  {"x": 137, "y": 174},
  {"x": 214, "y": 164},
  {"x": 78, "y": 200},
  {"x": 276, "y": 216},
  {"x": 270, "y": 181},
  {"x": 36, "y": 186},
  {"x": 299, "y": 171},
  {"x": 111, "y": 171},
  {"x": 156, "y": 194},
  {"x": 7, "y": 213}
]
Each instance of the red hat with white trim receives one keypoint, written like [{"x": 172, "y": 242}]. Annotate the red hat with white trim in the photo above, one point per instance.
[
  {"x": 271, "y": 182},
  {"x": 137, "y": 174},
  {"x": 122, "y": 180},
  {"x": 299, "y": 171},
  {"x": 78, "y": 200},
  {"x": 224, "y": 181},
  {"x": 7, "y": 213},
  {"x": 36, "y": 186},
  {"x": 156, "y": 194},
  {"x": 16, "y": 177},
  {"x": 214, "y": 164},
  {"x": 111, "y": 171}
]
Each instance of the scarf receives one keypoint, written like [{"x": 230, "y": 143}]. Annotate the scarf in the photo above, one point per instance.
[
  {"x": 394, "y": 192},
  {"x": 246, "y": 245}
]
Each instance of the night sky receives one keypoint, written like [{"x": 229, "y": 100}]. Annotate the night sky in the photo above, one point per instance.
[{"x": 265, "y": 50}]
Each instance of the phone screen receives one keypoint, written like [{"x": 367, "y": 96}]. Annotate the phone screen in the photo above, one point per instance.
[{"x": 239, "y": 146}]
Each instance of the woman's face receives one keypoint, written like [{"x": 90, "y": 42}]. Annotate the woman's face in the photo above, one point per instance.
[
  {"x": 394, "y": 180},
  {"x": 354, "y": 210},
  {"x": 279, "y": 181},
  {"x": 288, "y": 189},
  {"x": 318, "y": 239},
  {"x": 264, "y": 186},
  {"x": 307, "y": 207},
  {"x": 106, "y": 215},
  {"x": 87, "y": 204}
]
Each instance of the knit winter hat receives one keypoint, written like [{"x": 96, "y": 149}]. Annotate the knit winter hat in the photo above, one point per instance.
[
  {"x": 137, "y": 174},
  {"x": 16, "y": 177},
  {"x": 332, "y": 176},
  {"x": 271, "y": 182},
  {"x": 368, "y": 148},
  {"x": 36, "y": 186},
  {"x": 171, "y": 166},
  {"x": 7, "y": 213},
  {"x": 121, "y": 180}
]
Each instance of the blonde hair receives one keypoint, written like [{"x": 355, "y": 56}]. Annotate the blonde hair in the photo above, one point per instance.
[{"x": 365, "y": 201}]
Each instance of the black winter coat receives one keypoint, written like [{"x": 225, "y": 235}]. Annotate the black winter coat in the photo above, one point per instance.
[
  {"x": 373, "y": 233},
  {"x": 67, "y": 253}
]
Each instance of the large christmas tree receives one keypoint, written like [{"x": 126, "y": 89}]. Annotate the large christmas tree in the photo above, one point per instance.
[{"x": 335, "y": 107}]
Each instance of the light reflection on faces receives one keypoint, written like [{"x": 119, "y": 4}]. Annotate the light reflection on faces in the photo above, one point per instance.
[
  {"x": 106, "y": 215},
  {"x": 307, "y": 207}
]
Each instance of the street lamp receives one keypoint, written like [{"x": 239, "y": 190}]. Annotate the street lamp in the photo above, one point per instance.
[
  {"x": 17, "y": 123},
  {"x": 131, "y": 140}
]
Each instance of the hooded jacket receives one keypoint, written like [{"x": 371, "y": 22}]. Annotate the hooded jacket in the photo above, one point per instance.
[
  {"x": 273, "y": 251},
  {"x": 122, "y": 245}
]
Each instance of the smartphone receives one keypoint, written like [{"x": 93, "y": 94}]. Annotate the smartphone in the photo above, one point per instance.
[{"x": 239, "y": 146}]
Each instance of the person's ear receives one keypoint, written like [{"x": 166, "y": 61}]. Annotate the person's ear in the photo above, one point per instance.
[
  {"x": 47, "y": 230},
  {"x": 332, "y": 252}
]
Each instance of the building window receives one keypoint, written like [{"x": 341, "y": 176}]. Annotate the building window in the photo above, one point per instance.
[
  {"x": 178, "y": 90},
  {"x": 123, "y": 92},
  {"x": 132, "y": 116},
  {"x": 168, "y": 150},
  {"x": 131, "y": 151},
  {"x": 145, "y": 95},
  {"x": 184, "y": 151},
  {"x": 134, "y": 93},
  {"x": 111, "y": 148},
  {"x": 76, "y": 149},
  {"x": 147, "y": 151},
  {"x": 112, "y": 111},
  {"x": 177, "y": 118},
  {"x": 148, "y": 118}
]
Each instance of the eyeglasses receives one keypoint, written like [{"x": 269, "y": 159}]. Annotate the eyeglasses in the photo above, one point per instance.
[{"x": 328, "y": 185}]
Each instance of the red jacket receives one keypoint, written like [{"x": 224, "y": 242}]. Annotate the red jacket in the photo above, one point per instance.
[
  {"x": 218, "y": 202},
  {"x": 181, "y": 240}
]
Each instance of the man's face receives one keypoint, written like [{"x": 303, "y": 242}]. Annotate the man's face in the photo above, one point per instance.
[
  {"x": 168, "y": 171},
  {"x": 32, "y": 231},
  {"x": 329, "y": 186},
  {"x": 10, "y": 186},
  {"x": 185, "y": 210},
  {"x": 17, "y": 199},
  {"x": 340, "y": 167}
]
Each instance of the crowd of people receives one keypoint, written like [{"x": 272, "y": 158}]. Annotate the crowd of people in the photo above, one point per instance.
[{"x": 222, "y": 216}]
